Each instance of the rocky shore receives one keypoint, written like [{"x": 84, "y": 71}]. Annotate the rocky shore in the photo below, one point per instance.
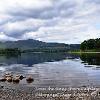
[
  {"x": 37, "y": 93},
  {"x": 11, "y": 91},
  {"x": 15, "y": 78}
]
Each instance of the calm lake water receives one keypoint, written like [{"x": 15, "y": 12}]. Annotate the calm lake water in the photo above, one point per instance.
[{"x": 54, "y": 69}]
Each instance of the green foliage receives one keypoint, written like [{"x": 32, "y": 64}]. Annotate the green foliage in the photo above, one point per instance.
[
  {"x": 91, "y": 44},
  {"x": 31, "y": 45},
  {"x": 10, "y": 51},
  {"x": 34, "y": 44}
]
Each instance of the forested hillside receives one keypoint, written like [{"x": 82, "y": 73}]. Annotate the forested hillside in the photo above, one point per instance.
[{"x": 35, "y": 44}]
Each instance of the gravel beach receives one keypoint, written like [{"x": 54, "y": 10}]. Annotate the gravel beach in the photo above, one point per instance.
[{"x": 48, "y": 93}]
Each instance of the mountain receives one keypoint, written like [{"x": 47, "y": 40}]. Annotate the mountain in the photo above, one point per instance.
[{"x": 31, "y": 44}]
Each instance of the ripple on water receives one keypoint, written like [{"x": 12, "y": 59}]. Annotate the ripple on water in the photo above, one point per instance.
[
  {"x": 88, "y": 66},
  {"x": 2, "y": 69}
]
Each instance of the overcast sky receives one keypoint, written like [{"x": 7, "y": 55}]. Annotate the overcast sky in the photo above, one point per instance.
[{"x": 66, "y": 21}]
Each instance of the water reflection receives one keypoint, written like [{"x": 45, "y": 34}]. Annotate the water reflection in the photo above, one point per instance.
[
  {"x": 59, "y": 68},
  {"x": 34, "y": 58},
  {"x": 90, "y": 59}
]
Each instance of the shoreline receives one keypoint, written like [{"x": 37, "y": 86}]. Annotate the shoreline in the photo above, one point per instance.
[
  {"x": 40, "y": 93},
  {"x": 84, "y": 52}
]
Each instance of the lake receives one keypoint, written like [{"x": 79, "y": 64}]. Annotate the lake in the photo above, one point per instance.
[{"x": 54, "y": 69}]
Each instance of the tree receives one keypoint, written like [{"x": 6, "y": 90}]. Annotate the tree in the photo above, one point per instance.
[{"x": 90, "y": 44}]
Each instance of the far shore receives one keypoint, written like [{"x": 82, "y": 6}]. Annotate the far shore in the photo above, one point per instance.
[{"x": 84, "y": 52}]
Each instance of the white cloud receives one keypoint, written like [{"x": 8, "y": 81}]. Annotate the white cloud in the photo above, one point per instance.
[
  {"x": 3, "y": 37},
  {"x": 68, "y": 21},
  {"x": 6, "y": 5}
]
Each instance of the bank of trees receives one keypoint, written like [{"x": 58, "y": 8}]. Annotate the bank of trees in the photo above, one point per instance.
[
  {"x": 91, "y": 44},
  {"x": 10, "y": 51}
]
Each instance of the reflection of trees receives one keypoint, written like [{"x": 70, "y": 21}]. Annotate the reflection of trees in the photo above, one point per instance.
[
  {"x": 91, "y": 59},
  {"x": 8, "y": 53},
  {"x": 32, "y": 58}
]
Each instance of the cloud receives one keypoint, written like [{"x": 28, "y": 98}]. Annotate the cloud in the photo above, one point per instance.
[
  {"x": 94, "y": 1},
  {"x": 18, "y": 28},
  {"x": 3, "y": 37},
  {"x": 68, "y": 21},
  {"x": 40, "y": 9}
]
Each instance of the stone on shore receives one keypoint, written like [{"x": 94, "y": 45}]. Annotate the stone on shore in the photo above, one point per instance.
[{"x": 29, "y": 79}]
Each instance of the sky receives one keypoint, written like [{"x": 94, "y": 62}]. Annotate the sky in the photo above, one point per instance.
[{"x": 62, "y": 21}]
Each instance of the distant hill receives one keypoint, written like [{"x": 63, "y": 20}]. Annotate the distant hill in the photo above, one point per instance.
[{"x": 31, "y": 44}]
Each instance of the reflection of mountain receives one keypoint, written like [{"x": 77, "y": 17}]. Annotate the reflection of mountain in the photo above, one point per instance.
[
  {"x": 34, "y": 58},
  {"x": 91, "y": 59}
]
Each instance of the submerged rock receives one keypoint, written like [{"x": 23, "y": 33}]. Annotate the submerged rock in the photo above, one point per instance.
[
  {"x": 8, "y": 75},
  {"x": 16, "y": 80},
  {"x": 29, "y": 79},
  {"x": 9, "y": 79},
  {"x": 20, "y": 77},
  {"x": 2, "y": 79}
]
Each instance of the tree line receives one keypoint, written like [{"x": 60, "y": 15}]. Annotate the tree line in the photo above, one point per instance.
[
  {"x": 10, "y": 51},
  {"x": 91, "y": 44}
]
